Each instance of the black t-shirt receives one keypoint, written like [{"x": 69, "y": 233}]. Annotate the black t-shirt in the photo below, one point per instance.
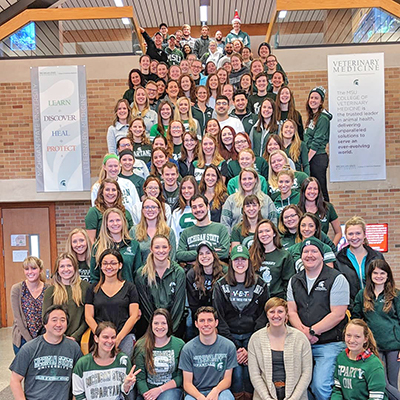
[
  {"x": 84, "y": 271},
  {"x": 115, "y": 308}
]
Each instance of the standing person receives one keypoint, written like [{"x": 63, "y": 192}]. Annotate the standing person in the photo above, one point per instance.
[
  {"x": 140, "y": 141},
  {"x": 207, "y": 361},
  {"x": 188, "y": 86},
  {"x": 312, "y": 201},
  {"x": 201, "y": 279},
  {"x": 26, "y": 303},
  {"x": 186, "y": 38},
  {"x": 216, "y": 233},
  {"x": 222, "y": 111},
  {"x": 249, "y": 183},
  {"x": 78, "y": 243},
  {"x": 287, "y": 225},
  {"x": 318, "y": 298},
  {"x": 353, "y": 260},
  {"x": 152, "y": 89},
  {"x": 201, "y": 111},
  {"x": 213, "y": 87},
  {"x": 226, "y": 142},
  {"x": 261, "y": 85},
  {"x": 316, "y": 136},
  {"x": 223, "y": 76},
  {"x": 114, "y": 235},
  {"x": 360, "y": 356},
  {"x": 157, "y": 358},
  {"x": 127, "y": 161},
  {"x": 135, "y": 79},
  {"x": 279, "y": 357},
  {"x": 274, "y": 264},
  {"x": 68, "y": 289},
  {"x": 243, "y": 232},
  {"x": 111, "y": 169},
  {"x": 173, "y": 91},
  {"x": 165, "y": 117},
  {"x": 219, "y": 40},
  {"x": 277, "y": 81},
  {"x": 144, "y": 63},
  {"x": 285, "y": 109},
  {"x": 174, "y": 55},
  {"x": 213, "y": 187},
  {"x": 45, "y": 364},
  {"x": 109, "y": 196},
  {"x": 294, "y": 148},
  {"x": 141, "y": 108},
  {"x": 170, "y": 175},
  {"x": 189, "y": 153},
  {"x": 119, "y": 128},
  {"x": 152, "y": 223},
  {"x": 378, "y": 304},
  {"x": 236, "y": 33},
  {"x": 238, "y": 70},
  {"x": 182, "y": 216},
  {"x": 239, "y": 299},
  {"x": 212, "y": 54},
  {"x": 183, "y": 113},
  {"x": 161, "y": 284},
  {"x": 240, "y": 102},
  {"x": 152, "y": 187},
  {"x": 286, "y": 195},
  {"x": 202, "y": 43},
  {"x": 264, "y": 127},
  {"x": 105, "y": 364},
  {"x": 213, "y": 128},
  {"x": 154, "y": 46},
  {"x": 113, "y": 299}
]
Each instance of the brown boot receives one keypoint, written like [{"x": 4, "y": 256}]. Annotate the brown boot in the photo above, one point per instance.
[
  {"x": 239, "y": 396},
  {"x": 248, "y": 396}
]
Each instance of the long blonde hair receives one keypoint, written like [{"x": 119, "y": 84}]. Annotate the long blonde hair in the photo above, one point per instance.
[
  {"x": 272, "y": 175},
  {"x": 217, "y": 158},
  {"x": 105, "y": 241},
  {"x": 240, "y": 194},
  {"x": 135, "y": 109},
  {"x": 295, "y": 147},
  {"x": 32, "y": 261},
  {"x": 162, "y": 227},
  {"x": 60, "y": 294},
  {"x": 68, "y": 243},
  {"x": 177, "y": 114},
  {"x": 149, "y": 268}
]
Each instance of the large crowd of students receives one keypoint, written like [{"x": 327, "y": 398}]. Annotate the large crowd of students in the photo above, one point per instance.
[{"x": 205, "y": 268}]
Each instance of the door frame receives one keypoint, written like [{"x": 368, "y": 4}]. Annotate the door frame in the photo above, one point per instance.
[{"x": 53, "y": 245}]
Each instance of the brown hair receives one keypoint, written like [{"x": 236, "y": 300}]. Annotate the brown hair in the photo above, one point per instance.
[{"x": 370, "y": 343}]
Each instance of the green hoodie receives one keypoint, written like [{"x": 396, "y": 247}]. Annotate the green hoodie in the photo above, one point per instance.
[
  {"x": 168, "y": 292},
  {"x": 316, "y": 137}
]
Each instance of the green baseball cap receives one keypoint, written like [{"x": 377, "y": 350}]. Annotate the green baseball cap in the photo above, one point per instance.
[{"x": 240, "y": 251}]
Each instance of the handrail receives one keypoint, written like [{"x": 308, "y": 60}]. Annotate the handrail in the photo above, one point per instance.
[
  {"x": 390, "y": 6},
  {"x": 64, "y": 14}
]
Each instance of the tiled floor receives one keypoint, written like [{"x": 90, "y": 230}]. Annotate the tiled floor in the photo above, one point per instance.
[{"x": 6, "y": 356}]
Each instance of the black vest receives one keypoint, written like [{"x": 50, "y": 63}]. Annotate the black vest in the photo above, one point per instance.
[{"x": 315, "y": 306}]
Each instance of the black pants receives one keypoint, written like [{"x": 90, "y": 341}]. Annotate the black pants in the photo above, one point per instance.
[{"x": 318, "y": 167}]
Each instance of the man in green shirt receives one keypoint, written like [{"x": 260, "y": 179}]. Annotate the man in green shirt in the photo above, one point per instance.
[{"x": 204, "y": 230}]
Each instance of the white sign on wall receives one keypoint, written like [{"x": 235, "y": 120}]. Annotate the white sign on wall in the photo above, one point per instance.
[
  {"x": 357, "y": 101},
  {"x": 60, "y": 127}
]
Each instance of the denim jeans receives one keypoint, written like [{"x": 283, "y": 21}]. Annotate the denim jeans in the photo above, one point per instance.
[
  {"x": 170, "y": 394},
  {"x": 127, "y": 343},
  {"x": 224, "y": 395},
  {"x": 240, "y": 376},
  {"x": 324, "y": 356},
  {"x": 16, "y": 348}
]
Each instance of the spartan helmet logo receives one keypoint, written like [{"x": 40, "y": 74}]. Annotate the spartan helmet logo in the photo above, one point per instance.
[{"x": 308, "y": 243}]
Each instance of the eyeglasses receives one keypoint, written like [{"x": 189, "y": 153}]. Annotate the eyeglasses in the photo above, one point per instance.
[
  {"x": 221, "y": 103},
  {"x": 125, "y": 145},
  {"x": 241, "y": 141},
  {"x": 152, "y": 188},
  {"x": 291, "y": 216},
  {"x": 150, "y": 208},
  {"x": 112, "y": 264}
]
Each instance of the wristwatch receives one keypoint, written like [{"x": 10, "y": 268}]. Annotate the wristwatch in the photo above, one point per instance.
[{"x": 312, "y": 332}]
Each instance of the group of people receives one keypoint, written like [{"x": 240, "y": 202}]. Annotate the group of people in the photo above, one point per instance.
[{"x": 205, "y": 268}]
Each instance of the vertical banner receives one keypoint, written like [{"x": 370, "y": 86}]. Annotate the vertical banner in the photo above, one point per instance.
[
  {"x": 60, "y": 128},
  {"x": 357, "y": 102}
]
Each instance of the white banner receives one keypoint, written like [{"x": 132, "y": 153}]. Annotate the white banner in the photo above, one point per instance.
[
  {"x": 357, "y": 102},
  {"x": 60, "y": 127}
]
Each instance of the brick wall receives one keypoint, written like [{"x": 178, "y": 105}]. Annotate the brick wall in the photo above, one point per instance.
[{"x": 17, "y": 159}]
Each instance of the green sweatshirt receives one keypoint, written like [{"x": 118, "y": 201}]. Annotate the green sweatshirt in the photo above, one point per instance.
[
  {"x": 233, "y": 184},
  {"x": 166, "y": 361},
  {"x": 168, "y": 292},
  {"x": 316, "y": 136},
  {"x": 280, "y": 204},
  {"x": 359, "y": 380},
  {"x": 276, "y": 270},
  {"x": 298, "y": 180},
  {"x": 215, "y": 233},
  {"x": 302, "y": 163},
  {"x": 261, "y": 166},
  {"x": 131, "y": 255},
  {"x": 384, "y": 326}
]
